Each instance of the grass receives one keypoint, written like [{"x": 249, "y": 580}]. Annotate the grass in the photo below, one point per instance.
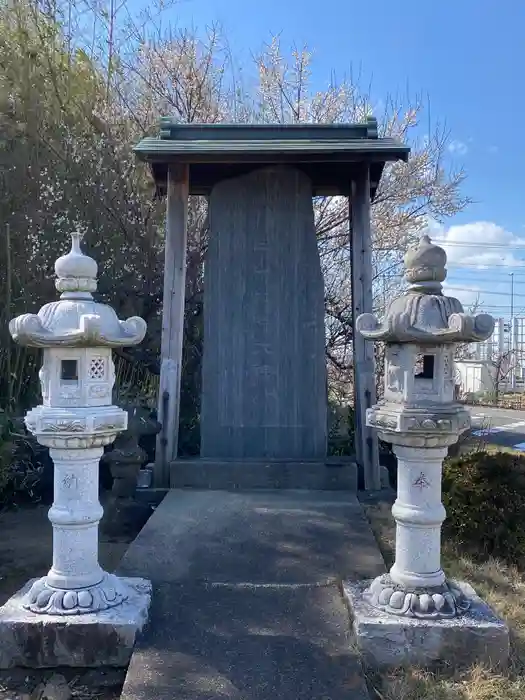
[{"x": 502, "y": 587}]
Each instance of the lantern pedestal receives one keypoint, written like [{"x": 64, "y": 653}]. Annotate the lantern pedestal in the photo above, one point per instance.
[
  {"x": 414, "y": 615},
  {"x": 389, "y": 641},
  {"x": 78, "y": 615},
  {"x": 103, "y": 638},
  {"x": 416, "y": 585}
]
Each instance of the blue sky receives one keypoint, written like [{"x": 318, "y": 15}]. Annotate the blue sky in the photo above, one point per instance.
[{"x": 468, "y": 56}]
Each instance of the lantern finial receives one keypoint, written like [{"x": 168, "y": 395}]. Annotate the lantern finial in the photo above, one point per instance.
[
  {"x": 76, "y": 272},
  {"x": 425, "y": 265}
]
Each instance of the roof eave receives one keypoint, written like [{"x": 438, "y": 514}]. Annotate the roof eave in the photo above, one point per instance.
[
  {"x": 217, "y": 151},
  {"x": 153, "y": 150}
]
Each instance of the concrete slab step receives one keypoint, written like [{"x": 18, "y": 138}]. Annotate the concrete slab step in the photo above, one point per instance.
[
  {"x": 268, "y": 537},
  {"x": 247, "y": 596},
  {"x": 211, "y": 643}
]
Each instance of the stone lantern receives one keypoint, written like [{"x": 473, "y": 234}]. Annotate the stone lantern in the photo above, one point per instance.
[
  {"x": 76, "y": 420},
  {"x": 420, "y": 417}
]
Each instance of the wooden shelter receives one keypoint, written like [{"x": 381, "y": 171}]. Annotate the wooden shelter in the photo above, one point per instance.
[{"x": 264, "y": 371}]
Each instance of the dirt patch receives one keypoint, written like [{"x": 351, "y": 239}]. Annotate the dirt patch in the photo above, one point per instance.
[
  {"x": 26, "y": 548},
  {"x": 62, "y": 684}
]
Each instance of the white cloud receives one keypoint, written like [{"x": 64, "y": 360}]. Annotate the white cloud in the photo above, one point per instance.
[
  {"x": 479, "y": 244},
  {"x": 458, "y": 147},
  {"x": 493, "y": 150}
]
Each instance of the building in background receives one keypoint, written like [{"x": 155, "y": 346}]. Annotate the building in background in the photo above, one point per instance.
[
  {"x": 475, "y": 376},
  {"x": 498, "y": 364}
]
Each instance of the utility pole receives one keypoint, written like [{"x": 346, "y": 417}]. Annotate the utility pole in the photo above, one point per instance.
[{"x": 512, "y": 335}]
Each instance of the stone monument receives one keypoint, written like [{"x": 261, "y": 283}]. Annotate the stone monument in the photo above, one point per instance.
[
  {"x": 77, "y": 615},
  {"x": 263, "y": 310},
  {"x": 124, "y": 513},
  {"x": 414, "y": 614},
  {"x": 264, "y": 397}
]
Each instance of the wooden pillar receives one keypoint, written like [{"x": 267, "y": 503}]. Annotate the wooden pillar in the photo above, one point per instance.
[
  {"x": 367, "y": 454},
  {"x": 172, "y": 321}
]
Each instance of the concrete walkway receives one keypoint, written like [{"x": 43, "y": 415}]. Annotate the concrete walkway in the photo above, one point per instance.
[{"x": 247, "y": 596}]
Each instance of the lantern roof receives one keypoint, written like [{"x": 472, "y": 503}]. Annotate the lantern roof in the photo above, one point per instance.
[
  {"x": 76, "y": 319},
  {"x": 423, "y": 314}
]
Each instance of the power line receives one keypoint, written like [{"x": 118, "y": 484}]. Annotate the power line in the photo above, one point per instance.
[
  {"x": 459, "y": 266},
  {"x": 479, "y": 266},
  {"x": 455, "y": 272},
  {"x": 482, "y": 291},
  {"x": 483, "y": 267},
  {"x": 466, "y": 244},
  {"x": 483, "y": 280},
  {"x": 477, "y": 244}
]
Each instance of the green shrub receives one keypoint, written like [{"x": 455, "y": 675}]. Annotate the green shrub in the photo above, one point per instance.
[
  {"x": 21, "y": 466},
  {"x": 484, "y": 495}
]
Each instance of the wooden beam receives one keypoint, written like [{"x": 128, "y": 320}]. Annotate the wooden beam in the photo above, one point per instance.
[
  {"x": 175, "y": 245},
  {"x": 367, "y": 453}
]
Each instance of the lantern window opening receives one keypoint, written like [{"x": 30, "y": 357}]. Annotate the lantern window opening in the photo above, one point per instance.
[
  {"x": 69, "y": 371},
  {"x": 424, "y": 366}
]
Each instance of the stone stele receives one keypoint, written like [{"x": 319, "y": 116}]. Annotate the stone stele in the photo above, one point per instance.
[{"x": 264, "y": 367}]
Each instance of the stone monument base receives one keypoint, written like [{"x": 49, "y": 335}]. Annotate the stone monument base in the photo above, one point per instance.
[
  {"x": 105, "y": 638},
  {"x": 331, "y": 474},
  {"x": 388, "y": 641}
]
